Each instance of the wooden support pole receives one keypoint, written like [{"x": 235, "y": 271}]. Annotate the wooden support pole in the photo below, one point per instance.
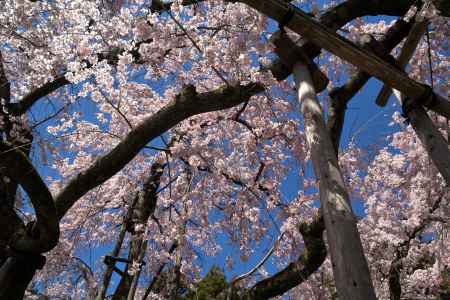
[
  {"x": 408, "y": 49},
  {"x": 432, "y": 140},
  {"x": 323, "y": 37},
  {"x": 351, "y": 273},
  {"x": 429, "y": 135}
]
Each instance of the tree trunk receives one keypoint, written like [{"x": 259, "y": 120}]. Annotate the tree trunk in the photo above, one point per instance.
[
  {"x": 16, "y": 273},
  {"x": 350, "y": 269}
]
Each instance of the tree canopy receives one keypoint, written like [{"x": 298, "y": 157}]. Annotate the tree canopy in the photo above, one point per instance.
[{"x": 143, "y": 141}]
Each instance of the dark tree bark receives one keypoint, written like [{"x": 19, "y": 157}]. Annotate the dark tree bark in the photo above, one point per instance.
[
  {"x": 16, "y": 273},
  {"x": 142, "y": 211}
]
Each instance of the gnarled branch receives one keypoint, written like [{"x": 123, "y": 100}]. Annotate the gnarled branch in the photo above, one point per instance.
[
  {"x": 185, "y": 105},
  {"x": 45, "y": 232},
  {"x": 298, "y": 271}
]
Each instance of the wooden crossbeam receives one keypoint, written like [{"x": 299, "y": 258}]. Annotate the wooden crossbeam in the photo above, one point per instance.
[
  {"x": 436, "y": 146},
  {"x": 323, "y": 37}
]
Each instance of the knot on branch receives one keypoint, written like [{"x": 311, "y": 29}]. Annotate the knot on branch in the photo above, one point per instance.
[{"x": 188, "y": 92}]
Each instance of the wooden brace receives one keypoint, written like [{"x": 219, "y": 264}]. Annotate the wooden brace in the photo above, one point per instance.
[{"x": 290, "y": 53}]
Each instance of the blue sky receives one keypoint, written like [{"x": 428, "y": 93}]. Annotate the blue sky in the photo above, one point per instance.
[
  {"x": 368, "y": 121},
  {"x": 366, "y": 124}
]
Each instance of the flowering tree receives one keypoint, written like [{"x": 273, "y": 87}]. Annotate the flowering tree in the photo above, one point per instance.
[{"x": 158, "y": 133}]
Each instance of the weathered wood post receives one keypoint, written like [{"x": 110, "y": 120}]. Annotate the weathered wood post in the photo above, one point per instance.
[{"x": 351, "y": 273}]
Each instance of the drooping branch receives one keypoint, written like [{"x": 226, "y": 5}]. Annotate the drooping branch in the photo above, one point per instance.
[
  {"x": 45, "y": 232},
  {"x": 298, "y": 271},
  {"x": 402, "y": 250},
  {"x": 185, "y": 105}
]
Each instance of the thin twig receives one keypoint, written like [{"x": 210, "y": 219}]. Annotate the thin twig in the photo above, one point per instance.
[
  {"x": 196, "y": 46},
  {"x": 262, "y": 262}
]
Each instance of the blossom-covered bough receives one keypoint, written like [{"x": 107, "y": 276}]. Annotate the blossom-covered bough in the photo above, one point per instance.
[{"x": 161, "y": 130}]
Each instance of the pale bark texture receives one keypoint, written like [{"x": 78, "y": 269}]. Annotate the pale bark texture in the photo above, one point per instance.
[{"x": 350, "y": 269}]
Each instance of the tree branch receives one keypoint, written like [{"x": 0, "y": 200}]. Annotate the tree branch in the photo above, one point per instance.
[
  {"x": 27, "y": 101},
  {"x": 334, "y": 18},
  {"x": 296, "y": 272},
  {"x": 188, "y": 103},
  {"x": 45, "y": 233},
  {"x": 402, "y": 249},
  {"x": 342, "y": 95},
  {"x": 88, "y": 277}
]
